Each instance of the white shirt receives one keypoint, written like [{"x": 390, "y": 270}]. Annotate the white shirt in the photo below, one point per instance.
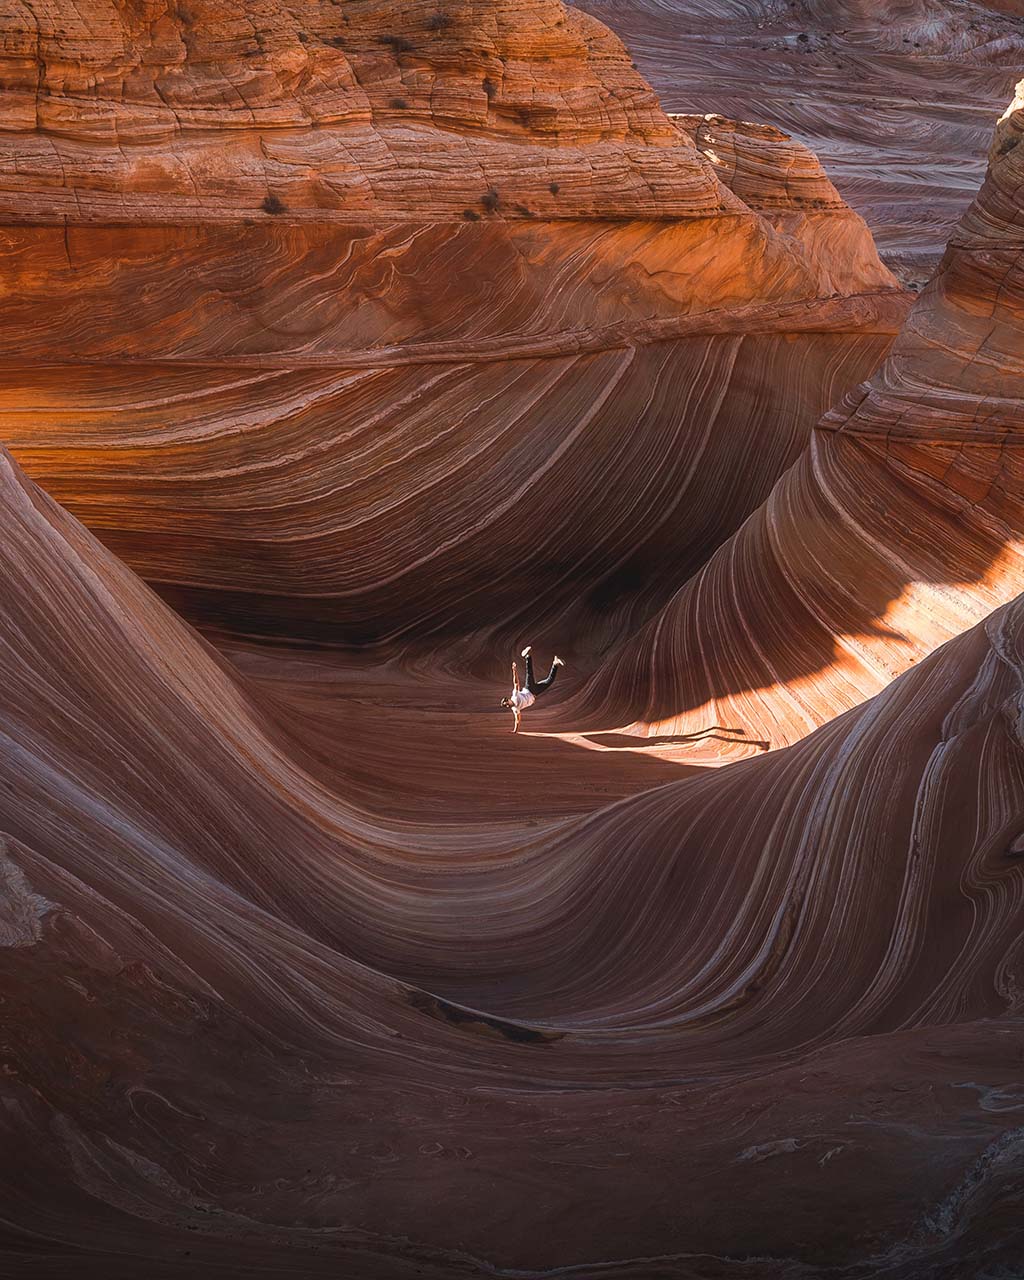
[{"x": 520, "y": 699}]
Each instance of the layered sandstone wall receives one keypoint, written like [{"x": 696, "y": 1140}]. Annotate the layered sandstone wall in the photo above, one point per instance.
[
  {"x": 900, "y": 527},
  {"x": 210, "y": 111},
  {"x": 483, "y": 314},
  {"x": 231, "y": 991}
]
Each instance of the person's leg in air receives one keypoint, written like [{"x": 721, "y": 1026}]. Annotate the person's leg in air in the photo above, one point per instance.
[
  {"x": 529, "y": 669},
  {"x": 540, "y": 685},
  {"x": 535, "y": 686}
]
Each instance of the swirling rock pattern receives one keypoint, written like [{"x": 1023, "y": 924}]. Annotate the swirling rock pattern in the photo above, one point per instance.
[
  {"x": 394, "y": 502},
  {"x": 375, "y": 342},
  {"x": 327, "y": 111},
  {"x": 307, "y": 966},
  {"x": 897, "y": 100},
  {"x": 247, "y": 1018},
  {"x": 900, "y": 527}
]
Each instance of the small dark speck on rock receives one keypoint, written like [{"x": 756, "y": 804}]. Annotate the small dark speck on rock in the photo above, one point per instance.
[
  {"x": 272, "y": 204},
  {"x": 399, "y": 43}
]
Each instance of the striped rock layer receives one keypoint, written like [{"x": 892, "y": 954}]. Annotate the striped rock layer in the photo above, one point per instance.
[
  {"x": 210, "y": 111},
  {"x": 307, "y": 966},
  {"x": 250, "y": 1019},
  {"x": 337, "y": 370},
  {"x": 900, "y": 526},
  {"x": 898, "y": 100}
]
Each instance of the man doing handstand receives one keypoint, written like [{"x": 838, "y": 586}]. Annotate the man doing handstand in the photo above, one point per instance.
[{"x": 519, "y": 699}]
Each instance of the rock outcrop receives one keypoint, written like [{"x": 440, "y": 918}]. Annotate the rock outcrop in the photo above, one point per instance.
[
  {"x": 210, "y": 111},
  {"x": 900, "y": 527},
  {"x": 247, "y": 1020},
  {"x": 527, "y": 278},
  {"x": 785, "y": 184},
  {"x": 897, "y": 100}
]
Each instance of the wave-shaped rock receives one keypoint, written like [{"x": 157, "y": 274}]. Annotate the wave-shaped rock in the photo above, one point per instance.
[
  {"x": 246, "y": 1019},
  {"x": 528, "y": 278},
  {"x": 317, "y": 501},
  {"x": 898, "y": 100},
  {"x": 307, "y": 966},
  {"x": 900, "y": 527}
]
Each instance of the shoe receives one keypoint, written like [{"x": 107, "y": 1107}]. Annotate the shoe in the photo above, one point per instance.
[
  {"x": 526, "y": 652},
  {"x": 557, "y": 661}
]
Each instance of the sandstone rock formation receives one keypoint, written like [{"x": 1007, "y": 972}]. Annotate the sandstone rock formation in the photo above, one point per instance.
[
  {"x": 898, "y": 100},
  {"x": 248, "y": 1021},
  {"x": 308, "y": 967},
  {"x": 207, "y": 111},
  {"x": 358, "y": 417},
  {"x": 901, "y": 526}
]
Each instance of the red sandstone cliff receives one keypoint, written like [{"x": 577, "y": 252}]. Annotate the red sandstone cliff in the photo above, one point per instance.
[
  {"x": 496, "y": 310},
  {"x": 306, "y": 964},
  {"x": 900, "y": 527}
]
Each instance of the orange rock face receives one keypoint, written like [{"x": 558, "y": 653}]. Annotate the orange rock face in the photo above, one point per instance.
[
  {"x": 211, "y": 111},
  {"x": 900, "y": 526},
  {"x": 355, "y": 415},
  {"x": 308, "y": 966},
  {"x": 897, "y": 100}
]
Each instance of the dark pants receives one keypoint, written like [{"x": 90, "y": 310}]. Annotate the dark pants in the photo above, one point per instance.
[{"x": 537, "y": 687}]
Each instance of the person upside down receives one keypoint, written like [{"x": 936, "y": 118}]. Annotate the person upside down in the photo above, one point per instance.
[{"x": 519, "y": 699}]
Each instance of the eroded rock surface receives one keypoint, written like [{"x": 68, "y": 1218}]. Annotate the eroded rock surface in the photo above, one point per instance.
[
  {"x": 262, "y": 1021},
  {"x": 898, "y": 100},
  {"x": 307, "y": 965},
  {"x": 435, "y": 380},
  {"x": 899, "y": 527}
]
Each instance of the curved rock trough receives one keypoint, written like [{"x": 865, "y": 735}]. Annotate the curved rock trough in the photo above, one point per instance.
[{"x": 308, "y": 966}]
